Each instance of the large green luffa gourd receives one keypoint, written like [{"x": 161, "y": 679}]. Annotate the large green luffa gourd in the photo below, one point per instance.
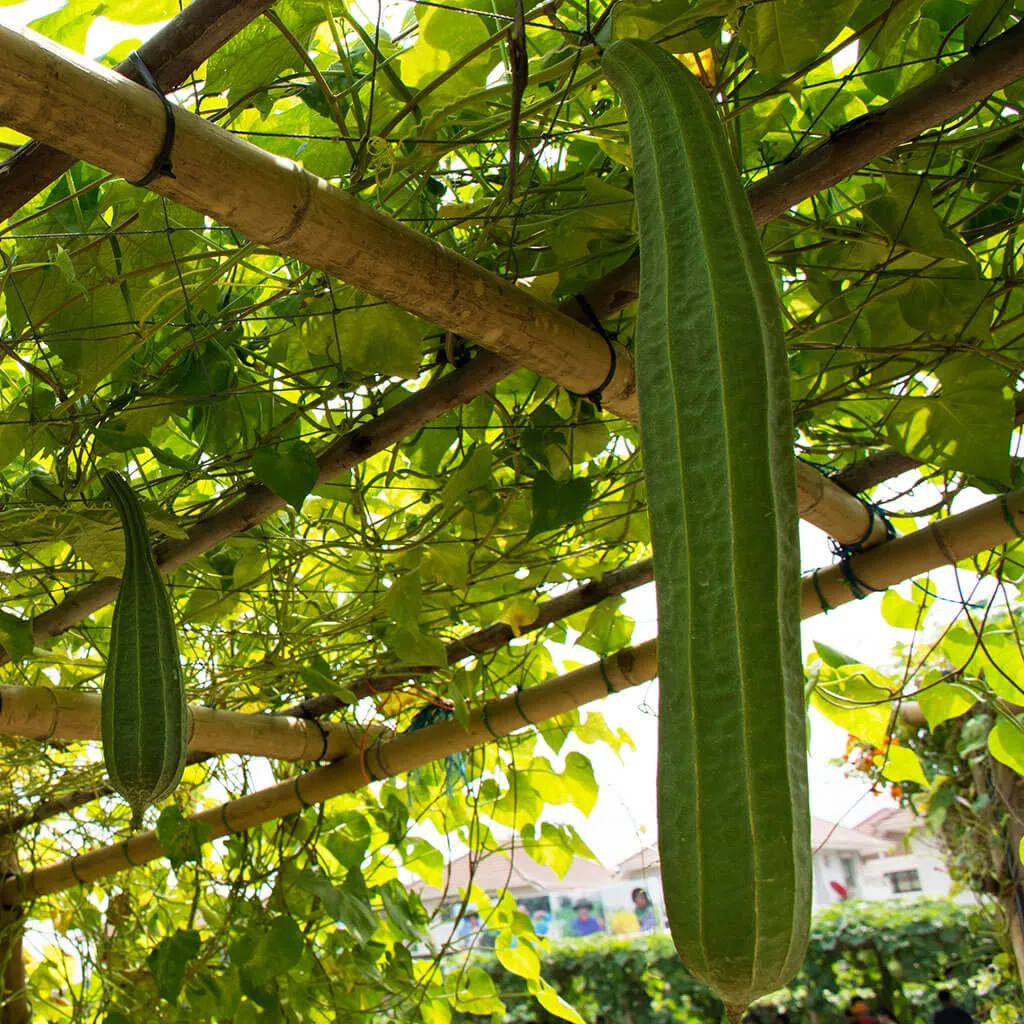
[
  {"x": 716, "y": 434},
  {"x": 144, "y": 720}
]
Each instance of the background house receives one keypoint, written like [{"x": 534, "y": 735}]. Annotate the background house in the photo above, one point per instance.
[{"x": 882, "y": 858}]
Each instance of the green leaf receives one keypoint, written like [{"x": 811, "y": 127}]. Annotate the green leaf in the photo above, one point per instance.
[
  {"x": 987, "y": 19},
  {"x": 445, "y": 36},
  {"x": 170, "y": 960},
  {"x": 906, "y": 215},
  {"x": 548, "y": 849},
  {"x": 901, "y": 613},
  {"x": 519, "y": 613},
  {"x": 259, "y": 53},
  {"x": 966, "y": 426},
  {"x": 832, "y": 657},
  {"x": 579, "y": 782},
  {"x": 182, "y": 838},
  {"x": 519, "y": 959},
  {"x": 903, "y": 765},
  {"x": 557, "y": 503},
  {"x": 940, "y": 702},
  {"x": 784, "y": 35},
  {"x": 1006, "y": 744},
  {"x": 16, "y": 636},
  {"x": 858, "y": 701},
  {"x": 473, "y": 473},
  {"x": 290, "y": 473},
  {"x": 553, "y": 1002}
]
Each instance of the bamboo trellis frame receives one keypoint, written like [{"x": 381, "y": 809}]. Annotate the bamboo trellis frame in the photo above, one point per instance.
[
  {"x": 947, "y": 542},
  {"x": 989, "y": 525},
  {"x": 171, "y": 54},
  {"x": 969, "y": 79},
  {"x": 43, "y": 712},
  {"x": 55, "y": 95},
  {"x": 379, "y": 761}
]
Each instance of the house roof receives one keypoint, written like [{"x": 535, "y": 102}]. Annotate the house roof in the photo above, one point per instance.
[
  {"x": 890, "y": 823},
  {"x": 825, "y": 835},
  {"x": 514, "y": 869},
  {"x": 834, "y": 838},
  {"x": 646, "y": 859}
]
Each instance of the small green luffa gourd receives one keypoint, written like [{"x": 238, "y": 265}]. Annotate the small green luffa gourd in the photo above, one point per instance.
[
  {"x": 144, "y": 719},
  {"x": 716, "y": 435}
]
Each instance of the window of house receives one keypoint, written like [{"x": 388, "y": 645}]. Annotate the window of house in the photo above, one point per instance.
[
  {"x": 849, "y": 867},
  {"x": 905, "y": 881}
]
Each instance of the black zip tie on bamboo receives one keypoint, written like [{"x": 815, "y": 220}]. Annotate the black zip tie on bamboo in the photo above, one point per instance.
[
  {"x": 604, "y": 675},
  {"x": 825, "y": 606},
  {"x": 298, "y": 793},
  {"x": 858, "y": 587},
  {"x": 162, "y": 164},
  {"x": 228, "y": 827},
  {"x": 128, "y": 856},
  {"x": 596, "y": 397},
  {"x": 74, "y": 871},
  {"x": 844, "y": 552},
  {"x": 1008, "y": 516},
  {"x": 487, "y": 724},
  {"x": 519, "y": 707}
]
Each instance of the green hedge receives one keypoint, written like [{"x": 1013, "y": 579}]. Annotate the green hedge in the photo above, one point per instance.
[{"x": 900, "y": 953}]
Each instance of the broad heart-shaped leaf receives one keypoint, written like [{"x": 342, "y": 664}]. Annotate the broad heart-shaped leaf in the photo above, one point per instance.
[
  {"x": 905, "y": 214},
  {"x": 445, "y": 36},
  {"x": 182, "y": 838},
  {"x": 557, "y": 503},
  {"x": 902, "y": 765},
  {"x": 553, "y": 1002},
  {"x": 258, "y": 54},
  {"x": 291, "y": 472},
  {"x": 170, "y": 959},
  {"x": 966, "y": 426},
  {"x": 784, "y": 35},
  {"x": 1006, "y": 744},
  {"x": 941, "y": 701}
]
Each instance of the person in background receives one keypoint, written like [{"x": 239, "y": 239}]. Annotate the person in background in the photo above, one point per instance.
[
  {"x": 564, "y": 919},
  {"x": 948, "y": 1012},
  {"x": 584, "y": 924},
  {"x": 643, "y": 910},
  {"x": 541, "y": 922}
]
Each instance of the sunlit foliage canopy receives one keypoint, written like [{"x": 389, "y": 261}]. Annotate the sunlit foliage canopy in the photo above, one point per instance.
[{"x": 140, "y": 336}]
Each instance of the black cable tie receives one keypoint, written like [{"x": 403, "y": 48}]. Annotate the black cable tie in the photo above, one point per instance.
[
  {"x": 596, "y": 396},
  {"x": 859, "y": 588},
  {"x": 162, "y": 165}
]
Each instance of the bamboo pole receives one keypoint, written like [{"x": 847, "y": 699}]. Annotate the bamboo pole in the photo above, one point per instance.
[
  {"x": 855, "y": 145},
  {"x": 914, "y": 554},
  {"x": 171, "y": 55},
  {"x": 45, "y": 713},
  {"x": 945, "y": 542},
  {"x": 951, "y": 540},
  {"x": 380, "y": 761},
  {"x": 58, "y": 96}
]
